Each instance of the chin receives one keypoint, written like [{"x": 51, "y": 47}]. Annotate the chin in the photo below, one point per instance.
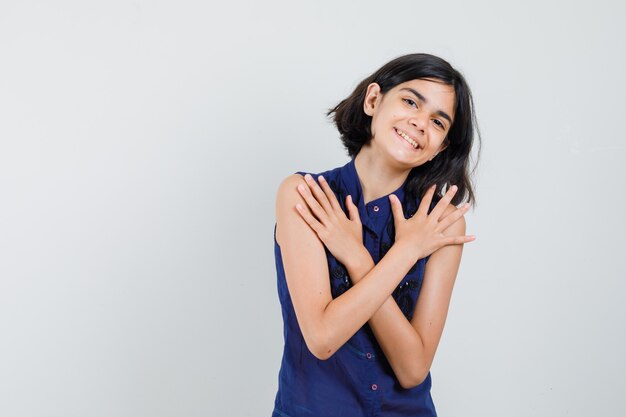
[{"x": 402, "y": 160}]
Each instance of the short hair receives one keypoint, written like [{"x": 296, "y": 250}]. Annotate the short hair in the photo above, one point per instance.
[{"x": 449, "y": 167}]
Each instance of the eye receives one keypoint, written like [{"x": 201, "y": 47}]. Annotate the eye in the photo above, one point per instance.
[
  {"x": 438, "y": 123},
  {"x": 410, "y": 102}
]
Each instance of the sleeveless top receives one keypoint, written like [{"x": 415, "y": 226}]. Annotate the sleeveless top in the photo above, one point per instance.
[{"x": 357, "y": 379}]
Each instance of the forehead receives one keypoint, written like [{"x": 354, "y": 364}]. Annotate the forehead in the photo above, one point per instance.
[{"x": 438, "y": 95}]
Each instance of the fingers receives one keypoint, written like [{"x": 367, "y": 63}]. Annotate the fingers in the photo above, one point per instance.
[
  {"x": 454, "y": 216},
  {"x": 458, "y": 240},
  {"x": 422, "y": 210},
  {"x": 319, "y": 194},
  {"x": 330, "y": 195},
  {"x": 311, "y": 221},
  {"x": 396, "y": 207},
  {"x": 314, "y": 206},
  {"x": 443, "y": 203},
  {"x": 353, "y": 210}
]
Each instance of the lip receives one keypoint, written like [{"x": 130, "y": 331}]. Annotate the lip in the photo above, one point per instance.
[{"x": 405, "y": 141}]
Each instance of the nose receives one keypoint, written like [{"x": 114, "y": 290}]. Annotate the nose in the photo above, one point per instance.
[{"x": 420, "y": 121}]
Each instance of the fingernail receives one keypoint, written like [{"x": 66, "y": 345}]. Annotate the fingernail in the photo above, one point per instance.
[{"x": 321, "y": 178}]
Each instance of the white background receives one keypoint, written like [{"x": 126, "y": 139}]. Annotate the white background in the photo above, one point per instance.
[{"x": 142, "y": 144}]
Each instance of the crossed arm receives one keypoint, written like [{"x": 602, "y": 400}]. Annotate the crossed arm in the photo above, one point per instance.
[
  {"x": 328, "y": 323},
  {"x": 410, "y": 346}
]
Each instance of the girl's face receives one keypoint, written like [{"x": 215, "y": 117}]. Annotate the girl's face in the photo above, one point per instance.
[{"x": 410, "y": 121}]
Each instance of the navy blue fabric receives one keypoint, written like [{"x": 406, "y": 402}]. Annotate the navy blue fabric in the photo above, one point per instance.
[{"x": 357, "y": 380}]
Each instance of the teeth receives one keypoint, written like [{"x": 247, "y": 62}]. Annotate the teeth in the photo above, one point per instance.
[{"x": 405, "y": 136}]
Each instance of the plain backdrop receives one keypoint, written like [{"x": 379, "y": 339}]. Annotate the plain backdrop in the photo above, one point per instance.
[{"x": 142, "y": 144}]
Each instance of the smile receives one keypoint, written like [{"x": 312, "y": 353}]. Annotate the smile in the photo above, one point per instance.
[{"x": 407, "y": 138}]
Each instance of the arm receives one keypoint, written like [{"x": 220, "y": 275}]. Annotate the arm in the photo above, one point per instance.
[
  {"x": 327, "y": 323},
  {"x": 410, "y": 346}
]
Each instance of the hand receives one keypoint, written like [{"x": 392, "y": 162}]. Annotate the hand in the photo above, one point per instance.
[
  {"x": 342, "y": 236},
  {"x": 423, "y": 233}
]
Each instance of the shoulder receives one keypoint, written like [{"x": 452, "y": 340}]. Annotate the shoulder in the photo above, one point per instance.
[
  {"x": 287, "y": 197},
  {"x": 288, "y": 187},
  {"x": 291, "y": 180},
  {"x": 289, "y": 184}
]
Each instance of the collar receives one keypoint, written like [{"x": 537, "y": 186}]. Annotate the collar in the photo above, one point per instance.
[{"x": 378, "y": 207}]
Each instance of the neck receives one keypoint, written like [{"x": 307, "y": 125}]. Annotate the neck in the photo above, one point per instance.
[{"x": 376, "y": 176}]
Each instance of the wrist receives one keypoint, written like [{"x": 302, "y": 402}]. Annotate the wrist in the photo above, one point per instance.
[
  {"x": 407, "y": 251},
  {"x": 359, "y": 264}
]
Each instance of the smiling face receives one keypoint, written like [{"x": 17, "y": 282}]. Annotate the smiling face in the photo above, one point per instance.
[{"x": 410, "y": 122}]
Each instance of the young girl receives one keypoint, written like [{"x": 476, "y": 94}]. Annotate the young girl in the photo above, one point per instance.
[{"x": 356, "y": 245}]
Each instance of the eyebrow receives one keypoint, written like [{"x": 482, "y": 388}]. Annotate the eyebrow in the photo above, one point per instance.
[{"x": 423, "y": 99}]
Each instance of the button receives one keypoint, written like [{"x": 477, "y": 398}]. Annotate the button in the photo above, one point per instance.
[
  {"x": 374, "y": 387},
  {"x": 368, "y": 355},
  {"x": 376, "y": 208}
]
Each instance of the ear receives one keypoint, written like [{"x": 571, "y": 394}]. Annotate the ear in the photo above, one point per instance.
[{"x": 372, "y": 97}]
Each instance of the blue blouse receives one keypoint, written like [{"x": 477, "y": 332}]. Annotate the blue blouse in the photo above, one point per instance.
[{"x": 357, "y": 379}]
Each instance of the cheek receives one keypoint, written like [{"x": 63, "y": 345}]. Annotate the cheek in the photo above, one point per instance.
[{"x": 373, "y": 126}]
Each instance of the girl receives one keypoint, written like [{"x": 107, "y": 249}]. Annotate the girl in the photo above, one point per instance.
[{"x": 356, "y": 245}]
